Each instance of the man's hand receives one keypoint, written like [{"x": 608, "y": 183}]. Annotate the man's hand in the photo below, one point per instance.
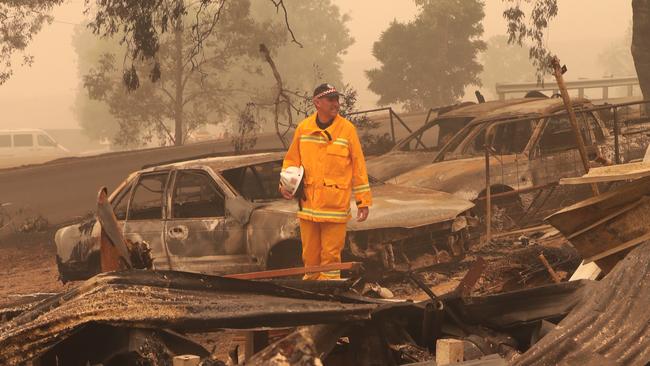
[
  {"x": 362, "y": 214},
  {"x": 286, "y": 194}
]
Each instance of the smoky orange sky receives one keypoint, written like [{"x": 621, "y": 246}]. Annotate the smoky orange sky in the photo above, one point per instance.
[{"x": 42, "y": 96}]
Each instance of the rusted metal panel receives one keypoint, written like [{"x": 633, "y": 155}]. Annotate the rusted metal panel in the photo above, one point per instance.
[
  {"x": 468, "y": 282},
  {"x": 516, "y": 308},
  {"x": 613, "y": 219},
  {"x": 114, "y": 251},
  {"x": 608, "y": 326},
  {"x": 612, "y": 173}
]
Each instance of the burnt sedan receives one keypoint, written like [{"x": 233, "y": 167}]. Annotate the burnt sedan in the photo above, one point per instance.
[{"x": 223, "y": 215}]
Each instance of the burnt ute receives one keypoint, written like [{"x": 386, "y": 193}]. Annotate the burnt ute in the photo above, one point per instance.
[
  {"x": 532, "y": 147},
  {"x": 224, "y": 215}
]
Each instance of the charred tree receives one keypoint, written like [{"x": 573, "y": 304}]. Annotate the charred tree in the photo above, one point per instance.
[{"x": 641, "y": 43}]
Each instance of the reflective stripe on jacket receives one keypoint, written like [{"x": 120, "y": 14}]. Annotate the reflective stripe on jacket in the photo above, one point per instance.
[{"x": 334, "y": 169}]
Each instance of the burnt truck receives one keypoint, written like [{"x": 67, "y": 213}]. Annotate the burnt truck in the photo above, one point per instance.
[
  {"x": 223, "y": 215},
  {"x": 532, "y": 146}
]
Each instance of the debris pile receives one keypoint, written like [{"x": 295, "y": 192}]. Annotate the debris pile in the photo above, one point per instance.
[{"x": 504, "y": 300}]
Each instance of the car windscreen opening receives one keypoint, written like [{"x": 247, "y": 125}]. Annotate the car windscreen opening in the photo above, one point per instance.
[{"x": 256, "y": 182}]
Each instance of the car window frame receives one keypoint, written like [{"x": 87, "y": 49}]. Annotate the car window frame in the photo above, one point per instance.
[
  {"x": 53, "y": 144},
  {"x": 171, "y": 186},
  {"x": 446, "y": 152},
  {"x": 123, "y": 190},
  {"x": 534, "y": 148},
  {"x": 562, "y": 114},
  {"x": 419, "y": 134},
  {"x": 164, "y": 208},
  {"x": 470, "y": 140},
  {"x": 236, "y": 192}
]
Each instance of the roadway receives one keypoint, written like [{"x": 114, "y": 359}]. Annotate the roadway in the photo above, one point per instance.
[{"x": 64, "y": 190}]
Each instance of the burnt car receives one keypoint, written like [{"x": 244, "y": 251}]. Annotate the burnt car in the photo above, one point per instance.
[
  {"x": 422, "y": 145},
  {"x": 528, "y": 152},
  {"x": 223, "y": 215}
]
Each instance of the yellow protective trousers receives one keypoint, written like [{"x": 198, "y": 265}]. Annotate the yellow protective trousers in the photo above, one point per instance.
[{"x": 322, "y": 243}]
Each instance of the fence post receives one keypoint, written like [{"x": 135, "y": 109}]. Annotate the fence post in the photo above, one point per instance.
[{"x": 488, "y": 194}]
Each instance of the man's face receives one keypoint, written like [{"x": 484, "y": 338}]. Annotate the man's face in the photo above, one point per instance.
[{"x": 327, "y": 107}]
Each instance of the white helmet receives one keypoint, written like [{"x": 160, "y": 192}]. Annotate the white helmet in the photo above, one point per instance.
[{"x": 291, "y": 177}]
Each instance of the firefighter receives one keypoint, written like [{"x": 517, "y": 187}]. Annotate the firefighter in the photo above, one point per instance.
[{"x": 328, "y": 148}]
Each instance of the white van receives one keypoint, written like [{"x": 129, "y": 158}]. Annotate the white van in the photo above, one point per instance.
[{"x": 28, "y": 146}]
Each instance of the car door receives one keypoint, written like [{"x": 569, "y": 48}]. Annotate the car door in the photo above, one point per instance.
[
  {"x": 199, "y": 235},
  {"x": 509, "y": 166},
  {"x": 556, "y": 153},
  {"x": 146, "y": 213}
]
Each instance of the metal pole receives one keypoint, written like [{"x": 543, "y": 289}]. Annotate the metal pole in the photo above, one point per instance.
[
  {"x": 369, "y": 111},
  {"x": 488, "y": 198},
  {"x": 428, "y": 115},
  {"x": 392, "y": 127},
  {"x": 617, "y": 156},
  {"x": 572, "y": 117}
]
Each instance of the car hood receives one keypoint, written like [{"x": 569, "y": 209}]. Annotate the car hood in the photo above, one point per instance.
[
  {"x": 397, "y": 206},
  {"x": 454, "y": 176},
  {"x": 395, "y": 163}
]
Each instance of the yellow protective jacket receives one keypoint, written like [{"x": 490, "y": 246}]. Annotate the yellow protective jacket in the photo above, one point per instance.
[{"x": 334, "y": 169}]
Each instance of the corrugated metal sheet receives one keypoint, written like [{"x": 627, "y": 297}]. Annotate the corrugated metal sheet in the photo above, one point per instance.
[
  {"x": 171, "y": 300},
  {"x": 610, "y": 326}
]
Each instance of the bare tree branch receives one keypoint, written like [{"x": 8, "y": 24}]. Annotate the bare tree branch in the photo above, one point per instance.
[
  {"x": 280, "y": 98},
  {"x": 171, "y": 97},
  {"x": 280, "y": 4},
  {"x": 200, "y": 36}
]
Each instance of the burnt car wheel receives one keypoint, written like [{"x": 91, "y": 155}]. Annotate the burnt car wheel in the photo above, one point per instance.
[{"x": 287, "y": 254}]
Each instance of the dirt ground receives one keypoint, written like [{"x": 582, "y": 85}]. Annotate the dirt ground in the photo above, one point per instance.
[{"x": 27, "y": 265}]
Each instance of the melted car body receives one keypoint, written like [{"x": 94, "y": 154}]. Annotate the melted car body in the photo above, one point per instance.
[{"x": 225, "y": 215}]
